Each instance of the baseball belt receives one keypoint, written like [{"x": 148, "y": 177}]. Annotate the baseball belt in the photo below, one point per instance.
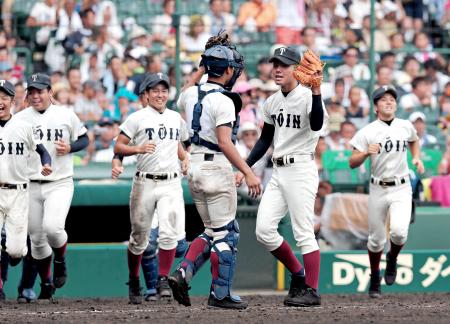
[
  {"x": 386, "y": 183},
  {"x": 158, "y": 176},
  {"x": 13, "y": 186},
  {"x": 292, "y": 158}
]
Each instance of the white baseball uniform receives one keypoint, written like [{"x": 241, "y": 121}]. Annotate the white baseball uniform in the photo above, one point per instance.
[
  {"x": 211, "y": 181},
  {"x": 157, "y": 183},
  {"x": 50, "y": 197},
  {"x": 295, "y": 178},
  {"x": 16, "y": 144},
  {"x": 390, "y": 188}
]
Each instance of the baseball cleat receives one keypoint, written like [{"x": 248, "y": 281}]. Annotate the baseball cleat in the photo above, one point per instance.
[
  {"x": 307, "y": 297},
  {"x": 390, "y": 273},
  {"x": 163, "y": 288},
  {"x": 59, "y": 273},
  {"x": 150, "y": 295},
  {"x": 46, "y": 294},
  {"x": 227, "y": 302},
  {"x": 134, "y": 291},
  {"x": 180, "y": 288},
  {"x": 2, "y": 296},
  {"x": 375, "y": 286},
  {"x": 26, "y": 296},
  {"x": 296, "y": 287}
]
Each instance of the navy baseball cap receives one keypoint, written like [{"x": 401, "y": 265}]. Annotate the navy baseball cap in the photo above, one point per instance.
[
  {"x": 105, "y": 121},
  {"x": 39, "y": 81},
  {"x": 286, "y": 55},
  {"x": 378, "y": 93},
  {"x": 154, "y": 79},
  {"x": 8, "y": 88}
]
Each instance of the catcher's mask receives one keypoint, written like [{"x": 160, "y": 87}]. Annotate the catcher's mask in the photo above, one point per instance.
[
  {"x": 217, "y": 59},
  {"x": 239, "y": 60}
]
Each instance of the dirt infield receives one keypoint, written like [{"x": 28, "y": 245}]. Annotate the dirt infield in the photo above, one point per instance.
[{"x": 399, "y": 308}]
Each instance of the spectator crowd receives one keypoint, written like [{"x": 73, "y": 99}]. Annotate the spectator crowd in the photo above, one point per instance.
[{"x": 97, "y": 53}]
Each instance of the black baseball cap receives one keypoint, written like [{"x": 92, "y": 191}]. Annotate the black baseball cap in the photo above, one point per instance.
[
  {"x": 105, "y": 121},
  {"x": 39, "y": 81},
  {"x": 154, "y": 79},
  {"x": 8, "y": 88},
  {"x": 378, "y": 93},
  {"x": 286, "y": 55}
]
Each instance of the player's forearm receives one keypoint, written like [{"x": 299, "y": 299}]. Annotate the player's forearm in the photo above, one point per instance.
[
  {"x": 357, "y": 159},
  {"x": 117, "y": 157},
  {"x": 316, "y": 115},
  {"x": 80, "y": 144},
  {"x": 415, "y": 149},
  {"x": 182, "y": 154},
  {"x": 125, "y": 150},
  {"x": 262, "y": 145},
  {"x": 44, "y": 155},
  {"x": 229, "y": 150}
]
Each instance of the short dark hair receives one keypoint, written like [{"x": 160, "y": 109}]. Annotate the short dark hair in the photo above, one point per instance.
[
  {"x": 420, "y": 79},
  {"x": 85, "y": 12},
  {"x": 386, "y": 54},
  {"x": 432, "y": 64},
  {"x": 350, "y": 48},
  {"x": 407, "y": 59}
]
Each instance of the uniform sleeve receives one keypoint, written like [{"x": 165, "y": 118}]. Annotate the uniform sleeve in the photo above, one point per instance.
[
  {"x": 77, "y": 127},
  {"x": 184, "y": 132},
  {"x": 130, "y": 126},
  {"x": 181, "y": 102},
  {"x": 359, "y": 141},
  {"x": 266, "y": 113},
  {"x": 412, "y": 133},
  {"x": 224, "y": 110},
  {"x": 32, "y": 138}
]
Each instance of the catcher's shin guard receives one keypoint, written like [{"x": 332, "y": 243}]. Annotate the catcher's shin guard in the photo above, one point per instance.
[
  {"x": 149, "y": 261},
  {"x": 226, "y": 250},
  {"x": 190, "y": 267}
]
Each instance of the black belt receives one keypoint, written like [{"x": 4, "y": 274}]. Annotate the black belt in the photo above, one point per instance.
[
  {"x": 41, "y": 181},
  {"x": 282, "y": 161},
  {"x": 387, "y": 183},
  {"x": 156, "y": 176},
  {"x": 12, "y": 186}
]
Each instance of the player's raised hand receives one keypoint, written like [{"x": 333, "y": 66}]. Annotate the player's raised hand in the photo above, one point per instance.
[
  {"x": 253, "y": 184},
  {"x": 148, "y": 147},
  {"x": 374, "y": 149},
  {"x": 238, "y": 177},
  {"x": 62, "y": 148},
  {"x": 419, "y": 165},
  {"x": 46, "y": 170}
]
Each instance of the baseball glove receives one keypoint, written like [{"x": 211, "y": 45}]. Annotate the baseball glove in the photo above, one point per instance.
[
  {"x": 220, "y": 39},
  {"x": 309, "y": 71}
]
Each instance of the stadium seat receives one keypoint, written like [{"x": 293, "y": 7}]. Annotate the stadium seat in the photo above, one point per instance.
[
  {"x": 337, "y": 171},
  {"x": 430, "y": 158}
]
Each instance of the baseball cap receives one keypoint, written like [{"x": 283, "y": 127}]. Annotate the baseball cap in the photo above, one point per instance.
[
  {"x": 104, "y": 121},
  {"x": 417, "y": 115},
  {"x": 378, "y": 93},
  {"x": 39, "y": 81},
  {"x": 7, "y": 87},
  {"x": 286, "y": 55},
  {"x": 156, "y": 78}
]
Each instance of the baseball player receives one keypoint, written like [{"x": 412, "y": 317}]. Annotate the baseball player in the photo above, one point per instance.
[
  {"x": 385, "y": 142},
  {"x": 293, "y": 117},
  {"x": 149, "y": 262},
  {"x": 156, "y": 133},
  {"x": 211, "y": 114},
  {"x": 62, "y": 134},
  {"x": 17, "y": 143}
]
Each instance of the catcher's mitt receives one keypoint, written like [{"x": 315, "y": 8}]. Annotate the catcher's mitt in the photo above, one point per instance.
[
  {"x": 220, "y": 39},
  {"x": 309, "y": 71}
]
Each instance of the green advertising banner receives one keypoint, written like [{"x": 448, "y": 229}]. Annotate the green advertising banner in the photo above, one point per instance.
[{"x": 349, "y": 272}]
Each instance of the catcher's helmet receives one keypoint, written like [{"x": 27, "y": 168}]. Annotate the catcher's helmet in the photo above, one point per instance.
[{"x": 217, "y": 58}]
